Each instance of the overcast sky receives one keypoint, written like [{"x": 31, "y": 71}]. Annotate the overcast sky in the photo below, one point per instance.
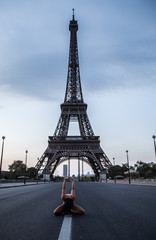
[{"x": 117, "y": 54}]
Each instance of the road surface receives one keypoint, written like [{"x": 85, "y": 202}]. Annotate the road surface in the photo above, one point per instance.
[{"x": 113, "y": 212}]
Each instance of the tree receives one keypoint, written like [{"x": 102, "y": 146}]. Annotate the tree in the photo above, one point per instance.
[
  {"x": 17, "y": 167},
  {"x": 115, "y": 170},
  {"x": 149, "y": 174},
  {"x": 31, "y": 172},
  {"x": 8, "y": 175},
  {"x": 125, "y": 167},
  {"x": 144, "y": 169},
  {"x": 153, "y": 168}
]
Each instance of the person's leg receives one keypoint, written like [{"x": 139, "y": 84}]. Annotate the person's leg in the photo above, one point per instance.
[
  {"x": 77, "y": 210},
  {"x": 59, "y": 210}
]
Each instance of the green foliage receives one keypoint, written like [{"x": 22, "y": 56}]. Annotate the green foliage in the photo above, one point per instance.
[
  {"x": 87, "y": 179},
  {"x": 148, "y": 174},
  {"x": 8, "y": 175},
  {"x": 18, "y": 168},
  {"x": 153, "y": 168},
  {"x": 116, "y": 170},
  {"x": 125, "y": 167},
  {"x": 146, "y": 170},
  {"x": 31, "y": 172},
  {"x": 143, "y": 170},
  {"x": 58, "y": 179}
]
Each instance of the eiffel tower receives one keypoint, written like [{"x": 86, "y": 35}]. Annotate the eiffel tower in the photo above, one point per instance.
[{"x": 86, "y": 146}]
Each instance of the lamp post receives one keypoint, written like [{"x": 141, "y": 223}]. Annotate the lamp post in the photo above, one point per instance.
[
  {"x": 82, "y": 169},
  {"x": 26, "y": 152},
  {"x": 78, "y": 169},
  {"x": 128, "y": 167},
  {"x": 3, "y": 138},
  {"x": 37, "y": 172},
  {"x": 154, "y": 143},
  {"x": 114, "y": 161},
  {"x": 68, "y": 166}
]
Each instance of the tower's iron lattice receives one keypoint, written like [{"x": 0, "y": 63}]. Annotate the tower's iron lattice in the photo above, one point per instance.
[{"x": 61, "y": 147}]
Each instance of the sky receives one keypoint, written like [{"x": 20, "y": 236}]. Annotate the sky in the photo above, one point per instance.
[{"x": 117, "y": 46}]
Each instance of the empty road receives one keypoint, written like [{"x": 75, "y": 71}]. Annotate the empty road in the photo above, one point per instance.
[{"x": 113, "y": 212}]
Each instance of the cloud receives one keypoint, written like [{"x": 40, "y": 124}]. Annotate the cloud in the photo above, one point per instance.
[
  {"x": 117, "y": 45},
  {"x": 112, "y": 76},
  {"x": 38, "y": 76}
]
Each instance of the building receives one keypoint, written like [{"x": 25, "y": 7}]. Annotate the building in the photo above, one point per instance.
[{"x": 64, "y": 170}]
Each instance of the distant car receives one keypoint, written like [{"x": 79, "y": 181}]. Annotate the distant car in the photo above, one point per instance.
[
  {"x": 2, "y": 180},
  {"x": 119, "y": 177},
  {"x": 22, "y": 177}
]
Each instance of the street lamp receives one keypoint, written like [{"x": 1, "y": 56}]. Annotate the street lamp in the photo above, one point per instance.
[
  {"x": 82, "y": 169},
  {"x": 69, "y": 167},
  {"x": 114, "y": 161},
  {"x": 128, "y": 167},
  {"x": 26, "y": 152},
  {"x": 3, "y": 138},
  {"x": 154, "y": 143},
  {"x": 37, "y": 170}
]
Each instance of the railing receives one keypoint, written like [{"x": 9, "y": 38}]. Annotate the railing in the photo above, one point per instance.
[
  {"x": 133, "y": 180},
  {"x": 18, "y": 180},
  {"x": 75, "y": 138}
]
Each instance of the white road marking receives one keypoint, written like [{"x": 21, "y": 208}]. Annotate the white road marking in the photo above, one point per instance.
[{"x": 65, "y": 233}]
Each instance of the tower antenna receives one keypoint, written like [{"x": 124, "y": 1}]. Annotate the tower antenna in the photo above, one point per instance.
[{"x": 73, "y": 13}]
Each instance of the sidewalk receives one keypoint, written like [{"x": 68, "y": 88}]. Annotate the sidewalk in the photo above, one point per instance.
[
  {"x": 147, "y": 184},
  {"x": 19, "y": 184}
]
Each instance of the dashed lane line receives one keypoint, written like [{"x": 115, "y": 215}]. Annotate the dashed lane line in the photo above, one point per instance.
[{"x": 65, "y": 233}]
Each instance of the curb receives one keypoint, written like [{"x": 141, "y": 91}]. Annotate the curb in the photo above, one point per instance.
[
  {"x": 134, "y": 184},
  {"x": 23, "y": 185}
]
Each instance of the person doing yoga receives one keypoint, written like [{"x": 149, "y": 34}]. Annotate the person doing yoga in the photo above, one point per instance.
[{"x": 68, "y": 206}]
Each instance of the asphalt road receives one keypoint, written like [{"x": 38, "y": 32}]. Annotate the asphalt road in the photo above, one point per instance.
[{"x": 113, "y": 212}]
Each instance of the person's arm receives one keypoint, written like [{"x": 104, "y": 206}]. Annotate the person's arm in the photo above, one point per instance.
[
  {"x": 73, "y": 189},
  {"x": 63, "y": 189}
]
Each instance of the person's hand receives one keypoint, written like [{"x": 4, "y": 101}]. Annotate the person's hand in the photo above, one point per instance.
[{"x": 67, "y": 178}]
